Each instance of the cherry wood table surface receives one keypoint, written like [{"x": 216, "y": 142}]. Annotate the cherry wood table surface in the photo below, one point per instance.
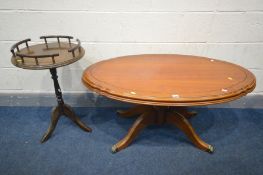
[
  {"x": 169, "y": 80},
  {"x": 163, "y": 85}
]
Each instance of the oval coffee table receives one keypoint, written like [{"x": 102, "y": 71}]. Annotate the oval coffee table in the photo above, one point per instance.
[{"x": 164, "y": 85}]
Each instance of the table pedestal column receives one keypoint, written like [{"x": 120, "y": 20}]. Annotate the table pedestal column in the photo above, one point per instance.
[
  {"x": 61, "y": 109},
  {"x": 148, "y": 115}
]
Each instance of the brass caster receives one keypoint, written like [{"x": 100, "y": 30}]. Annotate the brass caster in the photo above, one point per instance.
[
  {"x": 210, "y": 149},
  {"x": 114, "y": 149}
]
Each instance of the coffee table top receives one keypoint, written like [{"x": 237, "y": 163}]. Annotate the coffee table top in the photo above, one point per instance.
[{"x": 169, "y": 80}]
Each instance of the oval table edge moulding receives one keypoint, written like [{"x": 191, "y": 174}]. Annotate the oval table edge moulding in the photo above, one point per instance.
[{"x": 163, "y": 85}]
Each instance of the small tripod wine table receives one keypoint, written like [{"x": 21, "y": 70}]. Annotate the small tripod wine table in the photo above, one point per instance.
[{"x": 51, "y": 55}]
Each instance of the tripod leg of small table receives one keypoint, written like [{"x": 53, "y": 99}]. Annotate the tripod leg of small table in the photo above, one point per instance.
[
  {"x": 181, "y": 122},
  {"x": 61, "y": 109},
  {"x": 54, "y": 120},
  {"x": 141, "y": 122},
  {"x": 68, "y": 111},
  {"x": 133, "y": 112}
]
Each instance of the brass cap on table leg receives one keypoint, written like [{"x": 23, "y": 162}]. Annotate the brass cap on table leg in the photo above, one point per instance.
[
  {"x": 114, "y": 149},
  {"x": 210, "y": 149}
]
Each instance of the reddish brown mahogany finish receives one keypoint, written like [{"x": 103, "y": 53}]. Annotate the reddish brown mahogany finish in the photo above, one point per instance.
[{"x": 167, "y": 80}]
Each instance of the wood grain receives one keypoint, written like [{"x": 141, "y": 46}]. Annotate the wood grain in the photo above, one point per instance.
[
  {"x": 64, "y": 58},
  {"x": 169, "y": 80}
]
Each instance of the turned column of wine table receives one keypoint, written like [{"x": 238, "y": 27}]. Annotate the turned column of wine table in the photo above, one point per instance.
[
  {"x": 163, "y": 86},
  {"x": 51, "y": 55}
]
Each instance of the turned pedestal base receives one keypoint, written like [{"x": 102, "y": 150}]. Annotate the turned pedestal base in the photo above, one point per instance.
[
  {"x": 61, "y": 109},
  {"x": 148, "y": 115}
]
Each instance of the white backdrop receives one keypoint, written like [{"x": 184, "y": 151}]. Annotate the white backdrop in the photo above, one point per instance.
[{"x": 230, "y": 30}]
